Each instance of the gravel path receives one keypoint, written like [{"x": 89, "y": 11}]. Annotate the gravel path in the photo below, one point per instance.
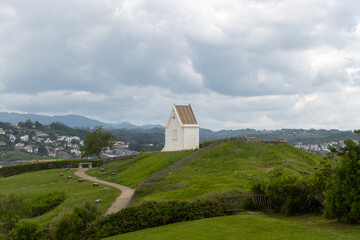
[{"x": 121, "y": 202}]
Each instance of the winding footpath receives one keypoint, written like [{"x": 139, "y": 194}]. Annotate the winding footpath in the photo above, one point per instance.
[{"x": 121, "y": 202}]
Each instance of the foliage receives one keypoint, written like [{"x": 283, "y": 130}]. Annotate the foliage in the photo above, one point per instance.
[
  {"x": 32, "y": 167},
  {"x": 96, "y": 141},
  {"x": 343, "y": 194},
  {"x": 12, "y": 209},
  {"x": 70, "y": 225},
  {"x": 290, "y": 194},
  {"x": 151, "y": 214},
  {"x": 44, "y": 202},
  {"x": 26, "y": 230},
  {"x": 62, "y": 129}
]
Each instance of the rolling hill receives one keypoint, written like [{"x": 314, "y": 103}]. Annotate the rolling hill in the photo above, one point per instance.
[{"x": 230, "y": 166}]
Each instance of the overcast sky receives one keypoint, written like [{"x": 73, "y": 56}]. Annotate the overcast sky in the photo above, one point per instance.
[{"x": 239, "y": 63}]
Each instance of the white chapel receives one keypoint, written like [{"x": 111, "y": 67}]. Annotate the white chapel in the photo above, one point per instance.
[{"x": 181, "y": 130}]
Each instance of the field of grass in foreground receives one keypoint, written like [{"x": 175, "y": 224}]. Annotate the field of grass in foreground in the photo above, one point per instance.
[
  {"x": 247, "y": 226},
  {"x": 230, "y": 166},
  {"x": 30, "y": 184},
  {"x": 133, "y": 171}
]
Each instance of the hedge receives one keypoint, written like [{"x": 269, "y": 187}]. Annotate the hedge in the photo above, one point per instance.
[
  {"x": 8, "y": 171},
  {"x": 151, "y": 214}
]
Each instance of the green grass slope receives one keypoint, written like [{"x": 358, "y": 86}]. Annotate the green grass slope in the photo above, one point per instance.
[
  {"x": 246, "y": 226},
  {"x": 230, "y": 166},
  {"x": 11, "y": 156},
  {"x": 133, "y": 171},
  {"x": 30, "y": 184}
]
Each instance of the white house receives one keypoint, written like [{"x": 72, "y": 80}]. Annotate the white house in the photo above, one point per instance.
[
  {"x": 181, "y": 130},
  {"x": 24, "y": 138}
]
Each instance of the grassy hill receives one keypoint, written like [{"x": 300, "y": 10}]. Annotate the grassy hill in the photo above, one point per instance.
[
  {"x": 230, "y": 166},
  {"x": 30, "y": 184},
  {"x": 246, "y": 226},
  {"x": 133, "y": 171}
]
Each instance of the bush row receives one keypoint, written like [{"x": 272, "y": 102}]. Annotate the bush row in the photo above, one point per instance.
[
  {"x": 8, "y": 171},
  {"x": 292, "y": 194},
  {"x": 13, "y": 208},
  {"x": 151, "y": 214},
  {"x": 43, "y": 203}
]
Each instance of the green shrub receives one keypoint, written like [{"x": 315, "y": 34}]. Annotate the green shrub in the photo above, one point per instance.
[
  {"x": 45, "y": 202},
  {"x": 343, "y": 194},
  {"x": 151, "y": 214},
  {"x": 71, "y": 225},
  {"x": 25, "y": 230},
  {"x": 290, "y": 194},
  {"x": 12, "y": 209}
]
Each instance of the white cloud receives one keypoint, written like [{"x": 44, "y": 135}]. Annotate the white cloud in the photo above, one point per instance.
[{"x": 262, "y": 64}]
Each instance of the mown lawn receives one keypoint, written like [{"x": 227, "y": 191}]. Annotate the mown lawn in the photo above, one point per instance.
[
  {"x": 249, "y": 226},
  {"x": 230, "y": 166},
  {"x": 11, "y": 156},
  {"x": 30, "y": 184},
  {"x": 133, "y": 171}
]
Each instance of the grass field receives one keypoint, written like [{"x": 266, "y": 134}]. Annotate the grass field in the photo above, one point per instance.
[
  {"x": 133, "y": 171},
  {"x": 11, "y": 156},
  {"x": 230, "y": 166},
  {"x": 30, "y": 184},
  {"x": 249, "y": 226}
]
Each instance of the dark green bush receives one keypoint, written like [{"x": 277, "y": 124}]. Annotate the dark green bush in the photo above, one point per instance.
[
  {"x": 71, "y": 225},
  {"x": 12, "y": 209},
  {"x": 43, "y": 203},
  {"x": 151, "y": 214},
  {"x": 343, "y": 193},
  {"x": 290, "y": 194},
  {"x": 25, "y": 230}
]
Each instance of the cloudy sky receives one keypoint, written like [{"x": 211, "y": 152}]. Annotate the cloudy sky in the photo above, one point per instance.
[{"x": 239, "y": 63}]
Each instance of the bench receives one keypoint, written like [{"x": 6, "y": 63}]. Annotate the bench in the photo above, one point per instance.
[
  {"x": 61, "y": 174},
  {"x": 97, "y": 201},
  {"x": 69, "y": 177},
  {"x": 80, "y": 180},
  {"x": 95, "y": 184},
  {"x": 106, "y": 189}
]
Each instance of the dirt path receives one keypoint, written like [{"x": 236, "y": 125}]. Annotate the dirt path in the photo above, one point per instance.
[{"x": 121, "y": 202}]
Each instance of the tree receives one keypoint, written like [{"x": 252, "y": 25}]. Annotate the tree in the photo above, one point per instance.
[
  {"x": 343, "y": 192},
  {"x": 97, "y": 141}
]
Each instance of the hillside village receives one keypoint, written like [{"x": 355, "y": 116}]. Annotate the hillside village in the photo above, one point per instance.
[{"x": 47, "y": 141}]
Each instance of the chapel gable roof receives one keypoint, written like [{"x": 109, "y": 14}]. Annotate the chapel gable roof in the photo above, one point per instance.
[{"x": 186, "y": 114}]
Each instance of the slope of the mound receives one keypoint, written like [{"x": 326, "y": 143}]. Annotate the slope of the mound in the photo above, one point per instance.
[
  {"x": 77, "y": 193},
  {"x": 230, "y": 166},
  {"x": 131, "y": 172},
  {"x": 247, "y": 226}
]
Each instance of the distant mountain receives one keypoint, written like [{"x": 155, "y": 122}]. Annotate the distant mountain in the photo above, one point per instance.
[
  {"x": 127, "y": 125},
  {"x": 73, "y": 121}
]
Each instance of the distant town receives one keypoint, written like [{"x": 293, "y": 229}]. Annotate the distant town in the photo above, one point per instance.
[{"x": 41, "y": 140}]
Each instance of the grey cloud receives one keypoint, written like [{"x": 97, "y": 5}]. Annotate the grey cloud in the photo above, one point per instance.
[{"x": 250, "y": 61}]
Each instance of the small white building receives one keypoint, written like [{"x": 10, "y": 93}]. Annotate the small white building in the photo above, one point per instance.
[
  {"x": 24, "y": 138},
  {"x": 182, "y": 129}
]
